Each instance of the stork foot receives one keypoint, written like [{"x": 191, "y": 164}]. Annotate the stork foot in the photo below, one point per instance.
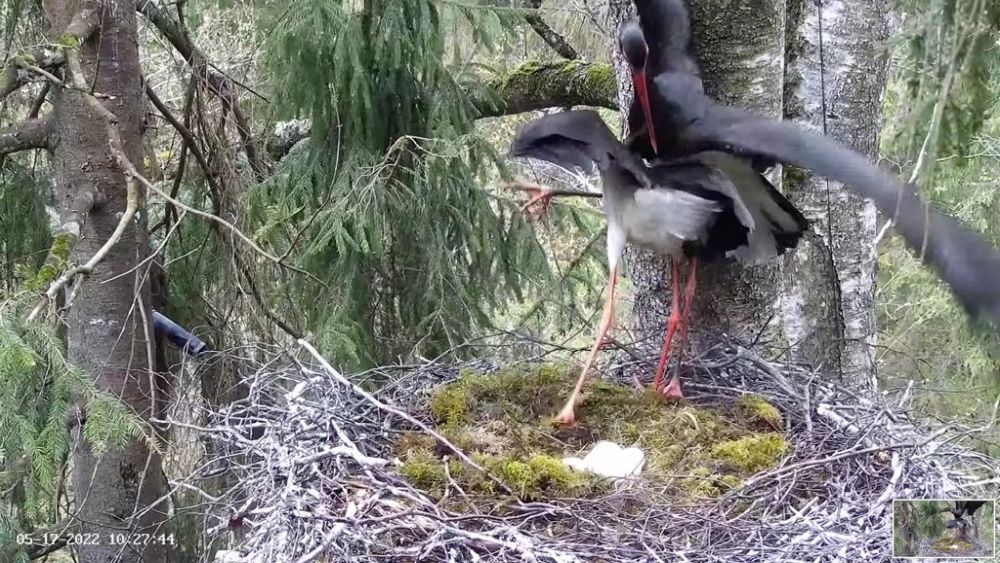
[
  {"x": 541, "y": 196},
  {"x": 673, "y": 390},
  {"x": 566, "y": 417}
]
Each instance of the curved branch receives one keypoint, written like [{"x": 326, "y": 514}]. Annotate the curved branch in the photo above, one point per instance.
[{"x": 26, "y": 135}]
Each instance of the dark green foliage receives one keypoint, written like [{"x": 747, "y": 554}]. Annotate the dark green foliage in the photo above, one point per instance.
[
  {"x": 24, "y": 231},
  {"x": 390, "y": 205},
  {"x": 38, "y": 387},
  {"x": 949, "y": 56}
]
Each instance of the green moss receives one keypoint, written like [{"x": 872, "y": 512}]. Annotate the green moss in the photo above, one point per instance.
[
  {"x": 702, "y": 482},
  {"x": 55, "y": 263},
  {"x": 504, "y": 422},
  {"x": 68, "y": 41},
  {"x": 600, "y": 77},
  {"x": 752, "y": 453},
  {"x": 539, "y": 476},
  {"x": 756, "y": 409},
  {"x": 450, "y": 406},
  {"x": 423, "y": 469},
  {"x": 520, "y": 74}
]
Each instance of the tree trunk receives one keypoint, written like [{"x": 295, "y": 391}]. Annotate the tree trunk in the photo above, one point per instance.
[
  {"x": 740, "y": 46},
  {"x": 835, "y": 80},
  {"x": 107, "y": 323}
]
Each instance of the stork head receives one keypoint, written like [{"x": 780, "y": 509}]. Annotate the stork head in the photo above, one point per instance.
[{"x": 633, "y": 44}]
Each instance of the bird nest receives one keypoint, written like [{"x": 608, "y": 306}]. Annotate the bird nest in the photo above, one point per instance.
[{"x": 321, "y": 467}]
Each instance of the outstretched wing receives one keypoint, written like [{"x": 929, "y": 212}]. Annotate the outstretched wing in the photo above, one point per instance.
[
  {"x": 964, "y": 259},
  {"x": 574, "y": 139},
  {"x": 570, "y": 139}
]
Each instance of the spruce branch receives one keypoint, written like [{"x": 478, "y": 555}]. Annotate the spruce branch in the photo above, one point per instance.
[
  {"x": 26, "y": 135},
  {"x": 532, "y": 86}
]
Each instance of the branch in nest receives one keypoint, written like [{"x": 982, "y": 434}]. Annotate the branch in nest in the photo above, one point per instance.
[
  {"x": 26, "y": 135},
  {"x": 558, "y": 43}
]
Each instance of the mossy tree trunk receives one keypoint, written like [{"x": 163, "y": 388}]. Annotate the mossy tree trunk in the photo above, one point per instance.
[{"x": 837, "y": 62}]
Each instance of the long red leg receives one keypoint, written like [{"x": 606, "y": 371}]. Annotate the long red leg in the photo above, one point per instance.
[
  {"x": 671, "y": 324},
  {"x": 673, "y": 388},
  {"x": 567, "y": 415}
]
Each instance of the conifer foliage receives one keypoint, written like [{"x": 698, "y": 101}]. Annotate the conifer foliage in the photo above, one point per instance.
[{"x": 387, "y": 204}]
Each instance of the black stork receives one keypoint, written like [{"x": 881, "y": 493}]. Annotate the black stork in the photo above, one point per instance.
[
  {"x": 672, "y": 117},
  {"x": 694, "y": 122},
  {"x": 653, "y": 127},
  {"x": 683, "y": 207},
  {"x": 962, "y": 508}
]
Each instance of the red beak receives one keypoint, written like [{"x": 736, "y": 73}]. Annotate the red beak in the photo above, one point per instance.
[{"x": 642, "y": 92}]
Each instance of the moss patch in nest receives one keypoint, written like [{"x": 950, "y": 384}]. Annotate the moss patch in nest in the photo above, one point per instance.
[
  {"x": 505, "y": 422},
  {"x": 757, "y": 410},
  {"x": 952, "y": 545}
]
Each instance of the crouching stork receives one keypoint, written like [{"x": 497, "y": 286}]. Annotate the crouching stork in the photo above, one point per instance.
[{"x": 687, "y": 207}]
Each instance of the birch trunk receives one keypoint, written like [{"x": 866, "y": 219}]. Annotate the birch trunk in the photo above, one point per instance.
[{"x": 837, "y": 62}]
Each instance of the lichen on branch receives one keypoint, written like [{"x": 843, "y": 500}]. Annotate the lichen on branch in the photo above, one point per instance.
[{"x": 536, "y": 85}]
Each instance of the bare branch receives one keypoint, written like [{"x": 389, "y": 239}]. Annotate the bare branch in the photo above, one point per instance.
[
  {"x": 27, "y": 135},
  {"x": 220, "y": 84},
  {"x": 558, "y": 43},
  {"x": 190, "y": 142}
]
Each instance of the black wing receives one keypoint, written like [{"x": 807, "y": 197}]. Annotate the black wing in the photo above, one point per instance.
[
  {"x": 575, "y": 139},
  {"x": 962, "y": 257},
  {"x": 972, "y": 505},
  {"x": 667, "y": 28}
]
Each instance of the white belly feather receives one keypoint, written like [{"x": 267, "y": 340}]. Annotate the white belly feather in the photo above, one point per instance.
[{"x": 661, "y": 220}]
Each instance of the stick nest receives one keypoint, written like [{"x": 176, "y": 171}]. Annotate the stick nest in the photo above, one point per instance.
[{"x": 315, "y": 471}]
